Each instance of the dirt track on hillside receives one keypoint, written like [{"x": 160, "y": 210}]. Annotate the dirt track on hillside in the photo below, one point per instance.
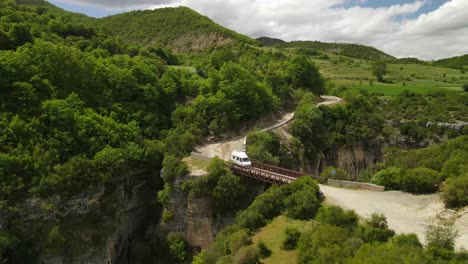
[{"x": 223, "y": 149}]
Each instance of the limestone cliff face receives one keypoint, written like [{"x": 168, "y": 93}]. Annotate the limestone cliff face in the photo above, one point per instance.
[
  {"x": 98, "y": 226},
  {"x": 191, "y": 216},
  {"x": 353, "y": 159}
]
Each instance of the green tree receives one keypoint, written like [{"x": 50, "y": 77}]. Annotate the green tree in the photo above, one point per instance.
[
  {"x": 335, "y": 215},
  {"x": 376, "y": 229},
  {"x": 390, "y": 178},
  {"x": 55, "y": 239},
  {"x": 334, "y": 173},
  {"x": 227, "y": 193},
  {"x": 291, "y": 239},
  {"x": 304, "y": 74},
  {"x": 263, "y": 250},
  {"x": 455, "y": 191},
  {"x": 379, "y": 69},
  {"x": 421, "y": 180},
  {"x": 177, "y": 246}
]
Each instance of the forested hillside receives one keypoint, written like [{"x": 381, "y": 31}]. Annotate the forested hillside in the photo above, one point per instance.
[
  {"x": 83, "y": 109},
  {"x": 268, "y": 42},
  {"x": 458, "y": 62},
  {"x": 180, "y": 28},
  {"x": 94, "y": 110},
  {"x": 349, "y": 50}
]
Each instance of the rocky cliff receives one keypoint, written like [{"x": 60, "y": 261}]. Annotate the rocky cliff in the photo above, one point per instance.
[
  {"x": 98, "y": 226},
  {"x": 353, "y": 159}
]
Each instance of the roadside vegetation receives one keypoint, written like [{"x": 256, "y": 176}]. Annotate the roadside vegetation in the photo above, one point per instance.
[{"x": 325, "y": 234}]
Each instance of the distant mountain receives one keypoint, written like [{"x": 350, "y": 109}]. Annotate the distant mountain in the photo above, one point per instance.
[
  {"x": 268, "y": 42},
  {"x": 181, "y": 28},
  {"x": 350, "y": 50},
  {"x": 454, "y": 62}
]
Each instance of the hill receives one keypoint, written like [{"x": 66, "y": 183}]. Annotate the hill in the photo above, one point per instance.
[
  {"x": 268, "y": 42},
  {"x": 454, "y": 62},
  {"x": 181, "y": 28},
  {"x": 350, "y": 50},
  {"x": 45, "y": 7}
]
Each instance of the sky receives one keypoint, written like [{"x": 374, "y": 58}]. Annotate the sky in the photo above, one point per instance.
[{"x": 426, "y": 29}]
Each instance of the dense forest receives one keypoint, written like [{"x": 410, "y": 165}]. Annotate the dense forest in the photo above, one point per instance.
[
  {"x": 349, "y": 50},
  {"x": 172, "y": 27},
  {"x": 458, "y": 62},
  {"x": 82, "y": 108}
]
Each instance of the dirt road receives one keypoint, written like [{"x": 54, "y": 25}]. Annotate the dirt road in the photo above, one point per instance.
[
  {"x": 224, "y": 149},
  {"x": 406, "y": 213}
]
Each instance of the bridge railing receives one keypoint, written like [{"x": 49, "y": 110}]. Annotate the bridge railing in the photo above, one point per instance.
[{"x": 279, "y": 170}]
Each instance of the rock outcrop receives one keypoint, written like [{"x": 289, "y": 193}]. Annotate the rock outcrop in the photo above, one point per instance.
[
  {"x": 353, "y": 159},
  {"x": 98, "y": 227}
]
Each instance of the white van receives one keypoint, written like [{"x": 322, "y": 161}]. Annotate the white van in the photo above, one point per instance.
[{"x": 240, "y": 158}]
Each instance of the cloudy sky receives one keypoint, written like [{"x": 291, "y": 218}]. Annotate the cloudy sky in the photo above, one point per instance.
[{"x": 427, "y": 29}]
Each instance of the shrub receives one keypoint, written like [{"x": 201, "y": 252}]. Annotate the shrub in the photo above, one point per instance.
[
  {"x": 55, "y": 239},
  {"x": 441, "y": 235},
  {"x": 176, "y": 244},
  {"x": 263, "y": 250},
  {"x": 246, "y": 255},
  {"x": 390, "y": 178},
  {"x": 334, "y": 173},
  {"x": 165, "y": 194},
  {"x": 250, "y": 219},
  {"x": 335, "y": 215},
  {"x": 465, "y": 87},
  {"x": 376, "y": 229},
  {"x": 421, "y": 180},
  {"x": 238, "y": 239},
  {"x": 227, "y": 193},
  {"x": 455, "y": 191},
  {"x": 292, "y": 237},
  {"x": 173, "y": 167}
]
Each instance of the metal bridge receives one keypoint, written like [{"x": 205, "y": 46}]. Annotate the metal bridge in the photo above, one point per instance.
[{"x": 267, "y": 173}]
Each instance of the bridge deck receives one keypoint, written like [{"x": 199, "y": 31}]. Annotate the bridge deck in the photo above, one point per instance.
[{"x": 267, "y": 173}]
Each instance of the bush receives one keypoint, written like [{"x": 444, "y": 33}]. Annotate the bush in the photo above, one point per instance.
[
  {"x": 173, "y": 167},
  {"x": 292, "y": 237},
  {"x": 441, "y": 235},
  {"x": 465, "y": 87},
  {"x": 335, "y": 215},
  {"x": 301, "y": 199},
  {"x": 55, "y": 239},
  {"x": 421, "y": 180},
  {"x": 390, "y": 178},
  {"x": 238, "y": 239},
  {"x": 334, "y": 173},
  {"x": 165, "y": 194},
  {"x": 263, "y": 250},
  {"x": 455, "y": 191},
  {"x": 227, "y": 193},
  {"x": 246, "y": 255},
  {"x": 250, "y": 219},
  {"x": 176, "y": 244},
  {"x": 376, "y": 229}
]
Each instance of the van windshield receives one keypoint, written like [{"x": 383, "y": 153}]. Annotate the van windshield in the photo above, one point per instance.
[{"x": 245, "y": 160}]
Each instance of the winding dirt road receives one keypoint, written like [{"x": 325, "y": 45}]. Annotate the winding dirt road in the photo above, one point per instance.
[
  {"x": 406, "y": 213},
  {"x": 224, "y": 149}
]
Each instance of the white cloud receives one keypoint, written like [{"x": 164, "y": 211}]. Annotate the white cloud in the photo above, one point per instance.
[{"x": 441, "y": 33}]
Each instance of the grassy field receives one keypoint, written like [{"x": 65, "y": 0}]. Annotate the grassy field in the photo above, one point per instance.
[
  {"x": 395, "y": 89},
  {"x": 273, "y": 236},
  {"x": 416, "y": 78}
]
